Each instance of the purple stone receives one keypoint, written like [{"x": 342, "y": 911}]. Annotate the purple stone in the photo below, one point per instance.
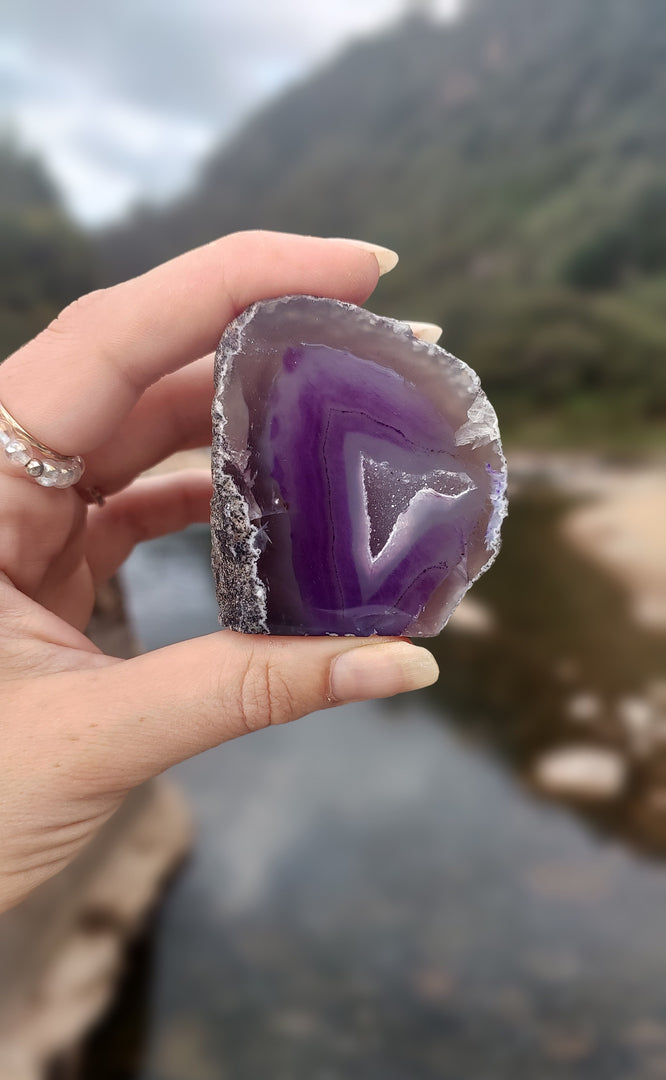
[{"x": 359, "y": 477}]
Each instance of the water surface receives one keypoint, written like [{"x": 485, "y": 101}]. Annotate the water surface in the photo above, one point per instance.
[{"x": 375, "y": 891}]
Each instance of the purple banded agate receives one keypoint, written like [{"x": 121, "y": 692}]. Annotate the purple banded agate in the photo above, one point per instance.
[{"x": 359, "y": 480}]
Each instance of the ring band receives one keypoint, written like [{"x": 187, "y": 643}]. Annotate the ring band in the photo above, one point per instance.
[{"x": 39, "y": 462}]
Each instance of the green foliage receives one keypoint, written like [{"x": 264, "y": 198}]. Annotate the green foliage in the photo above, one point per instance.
[
  {"x": 636, "y": 244},
  {"x": 516, "y": 160},
  {"x": 591, "y": 370},
  {"x": 45, "y": 261}
]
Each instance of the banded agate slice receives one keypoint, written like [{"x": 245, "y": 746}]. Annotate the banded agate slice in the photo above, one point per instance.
[{"x": 359, "y": 480}]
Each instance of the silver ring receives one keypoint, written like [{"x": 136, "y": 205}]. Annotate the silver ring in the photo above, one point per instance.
[{"x": 39, "y": 462}]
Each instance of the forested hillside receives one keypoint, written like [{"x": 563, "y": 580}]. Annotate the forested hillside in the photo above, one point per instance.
[
  {"x": 517, "y": 160},
  {"x": 45, "y": 260}
]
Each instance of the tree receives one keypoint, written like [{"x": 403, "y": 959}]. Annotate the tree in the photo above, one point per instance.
[{"x": 45, "y": 260}]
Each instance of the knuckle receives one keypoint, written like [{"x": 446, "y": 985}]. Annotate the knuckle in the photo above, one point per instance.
[
  {"x": 247, "y": 236},
  {"x": 128, "y": 519},
  {"x": 78, "y": 319},
  {"x": 265, "y": 698},
  {"x": 68, "y": 321}
]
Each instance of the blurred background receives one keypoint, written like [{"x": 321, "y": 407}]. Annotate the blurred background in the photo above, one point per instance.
[{"x": 468, "y": 881}]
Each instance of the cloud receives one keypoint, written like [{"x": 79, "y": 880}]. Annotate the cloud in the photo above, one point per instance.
[
  {"x": 124, "y": 99},
  {"x": 104, "y": 151}
]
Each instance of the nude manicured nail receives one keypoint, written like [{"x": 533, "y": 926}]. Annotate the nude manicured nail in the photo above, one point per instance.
[
  {"x": 378, "y": 671},
  {"x": 426, "y": 331},
  {"x": 386, "y": 258}
]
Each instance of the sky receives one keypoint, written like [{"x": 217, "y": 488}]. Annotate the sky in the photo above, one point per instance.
[{"x": 123, "y": 100}]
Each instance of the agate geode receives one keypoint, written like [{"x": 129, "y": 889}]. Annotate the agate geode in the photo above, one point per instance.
[{"x": 358, "y": 474}]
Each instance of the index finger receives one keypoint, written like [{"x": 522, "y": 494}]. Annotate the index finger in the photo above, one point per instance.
[{"x": 72, "y": 385}]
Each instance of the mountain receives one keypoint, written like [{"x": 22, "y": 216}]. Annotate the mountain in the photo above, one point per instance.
[
  {"x": 45, "y": 260},
  {"x": 515, "y": 158}
]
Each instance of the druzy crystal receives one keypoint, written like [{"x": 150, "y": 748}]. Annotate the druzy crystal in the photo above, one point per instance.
[{"x": 358, "y": 474}]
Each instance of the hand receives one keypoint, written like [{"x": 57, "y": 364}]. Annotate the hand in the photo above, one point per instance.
[{"x": 116, "y": 379}]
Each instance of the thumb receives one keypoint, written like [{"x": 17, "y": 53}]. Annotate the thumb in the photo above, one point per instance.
[{"x": 168, "y": 705}]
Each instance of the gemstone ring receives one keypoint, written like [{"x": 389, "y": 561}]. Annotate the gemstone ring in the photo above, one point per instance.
[{"x": 40, "y": 463}]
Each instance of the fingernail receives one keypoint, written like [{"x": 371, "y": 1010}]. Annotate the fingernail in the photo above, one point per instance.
[
  {"x": 386, "y": 258},
  {"x": 426, "y": 331},
  {"x": 379, "y": 671}
]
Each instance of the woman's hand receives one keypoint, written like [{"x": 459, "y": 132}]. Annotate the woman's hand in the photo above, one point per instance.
[{"x": 117, "y": 378}]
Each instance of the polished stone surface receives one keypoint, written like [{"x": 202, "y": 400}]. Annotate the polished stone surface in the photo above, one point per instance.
[{"x": 359, "y": 477}]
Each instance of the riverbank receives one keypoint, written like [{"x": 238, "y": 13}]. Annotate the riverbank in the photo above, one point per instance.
[
  {"x": 376, "y": 886},
  {"x": 620, "y": 521},
  {"x": 625, "y": 529}
]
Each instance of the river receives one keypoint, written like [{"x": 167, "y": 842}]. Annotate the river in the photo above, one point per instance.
[{"x": 383, "y": 892}]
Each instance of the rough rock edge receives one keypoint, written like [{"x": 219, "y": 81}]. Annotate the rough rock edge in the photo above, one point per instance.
[
  {"x": 241, "y": 595},
  {"x": 235, "y": 552}
]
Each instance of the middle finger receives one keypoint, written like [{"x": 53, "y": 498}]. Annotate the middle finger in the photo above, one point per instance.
[{"x": 172, "y": 415}]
